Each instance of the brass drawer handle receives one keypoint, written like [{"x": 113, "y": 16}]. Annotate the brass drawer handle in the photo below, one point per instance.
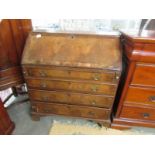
[
  {"x": 37, "y": 110},
  {"x": 152, "y": 98},
  {"x": 43, "y": 85},
  {"x": 45, "y": 98},
  {"x": 42, "y": 73},
  {"x": 33, "y": 107},
  {"x": 25, "y": 73},
  {"x": 93, "y": 103},
  {"x": 96, "y": 77},
  {"x": 81, "y": 87},
  {"x": 146, "y": 115},
  {"x": 46, "y": 110},
  {"x": 94, "y": 88},
  {"x": 30, "y": 73},
  {"x": 91, "y": 113},
  {"x": 116, "y": 76}
]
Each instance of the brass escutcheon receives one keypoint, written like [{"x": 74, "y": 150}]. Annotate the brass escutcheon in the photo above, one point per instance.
[{"x": 43, "y": 85}]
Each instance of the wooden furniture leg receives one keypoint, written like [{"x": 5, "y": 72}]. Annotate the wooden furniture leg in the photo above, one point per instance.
[{"x": 6, "y": 125}]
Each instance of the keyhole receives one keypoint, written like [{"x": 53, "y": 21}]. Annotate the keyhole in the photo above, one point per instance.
[{"x": 72, "y": 36}]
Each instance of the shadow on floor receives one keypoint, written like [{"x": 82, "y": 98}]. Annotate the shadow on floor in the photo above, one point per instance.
[{"x": 20, "y": 114}]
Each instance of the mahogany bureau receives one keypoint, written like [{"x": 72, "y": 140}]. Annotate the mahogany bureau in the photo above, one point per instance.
[
  {"x": 72, "y": 74},
  {"x": 136, "y": 105}
]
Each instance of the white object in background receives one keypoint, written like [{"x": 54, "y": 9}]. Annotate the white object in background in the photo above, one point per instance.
[
  {"x": 10, "y": 101},
  {"x": 38, "y": 36},
  {"x": 4, "y": 94},
  {"x": 85, "y": 25}
]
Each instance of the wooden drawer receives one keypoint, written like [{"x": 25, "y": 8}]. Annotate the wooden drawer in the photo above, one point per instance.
[
  {"x": 71, "y": 86},
  {"x": 141, "y": 113},
  {"x": 10, "y": 82},
  {"x": 67, "y": 73},
  {"x": 71, "y": 98},
  {"x": 7, "y": 73},
  {"x": 141, "y": 95},
  {"x": 71, "y": 110},
  {"x": 144, "y": 75}
]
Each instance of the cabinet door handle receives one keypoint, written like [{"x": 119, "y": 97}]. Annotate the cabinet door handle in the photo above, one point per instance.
[
  {"x": 42, "y": 73},
  {"x": 43, "y": 85},
  {"x": 146, "y": 115},
  {"x": 93, "y": 103},
  {"x": 116, "y": 76},
  {"x": 152, "y": 98},
  {"x": 45, "y": 98},
  {"x": 91, "y": 113},
  {"x": 25, "y": 73},
  {"x": 33, "y": 108},
  {"x": 30, "y": 73},
  {"x": 96, "y": 77},
  {"x": 94, "y": 88}
]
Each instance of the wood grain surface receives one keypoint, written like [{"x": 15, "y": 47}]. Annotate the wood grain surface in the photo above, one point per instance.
[{"x": 73, "y": 50}]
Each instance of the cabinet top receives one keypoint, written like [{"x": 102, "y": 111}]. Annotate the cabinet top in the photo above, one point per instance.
[
  {"x": 145, "y": 36},
  {"x": 139, "y": 47},
  {"x": 73, "y": 50}
]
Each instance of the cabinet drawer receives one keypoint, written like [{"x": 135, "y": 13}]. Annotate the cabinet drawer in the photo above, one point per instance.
[
  {"x": 71, "y": 86},
  {"x": 7, "y": 73},
  {"x": 11, "y": 81},
  {"x": 144, "y": 75},
  {"x": 71, "y": 98},
  {"x": 141, "y": 95},
  {"x": 71, "y": 110},
  {"x": 105, "y": 76},
  {"x": 141, "y": 113}
]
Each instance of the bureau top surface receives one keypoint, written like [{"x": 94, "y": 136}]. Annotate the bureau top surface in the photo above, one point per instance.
[
  {"x": 144, "y": 36},
  {"x": 73, "y": 50}
]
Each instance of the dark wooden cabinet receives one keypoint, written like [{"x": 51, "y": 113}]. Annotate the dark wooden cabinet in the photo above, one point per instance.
[
  {"x": 72, "y": 74},
  {"x": 6, "y": 125},
  {"x": 13, "y": 34},
  {"x": 136, "y": 100}
]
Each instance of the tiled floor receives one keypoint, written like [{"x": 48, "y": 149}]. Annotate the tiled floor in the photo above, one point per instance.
[{"x": 19, "y": 113}]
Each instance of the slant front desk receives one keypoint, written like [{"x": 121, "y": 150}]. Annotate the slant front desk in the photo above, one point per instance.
[{"x": 73, "y": 75}]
